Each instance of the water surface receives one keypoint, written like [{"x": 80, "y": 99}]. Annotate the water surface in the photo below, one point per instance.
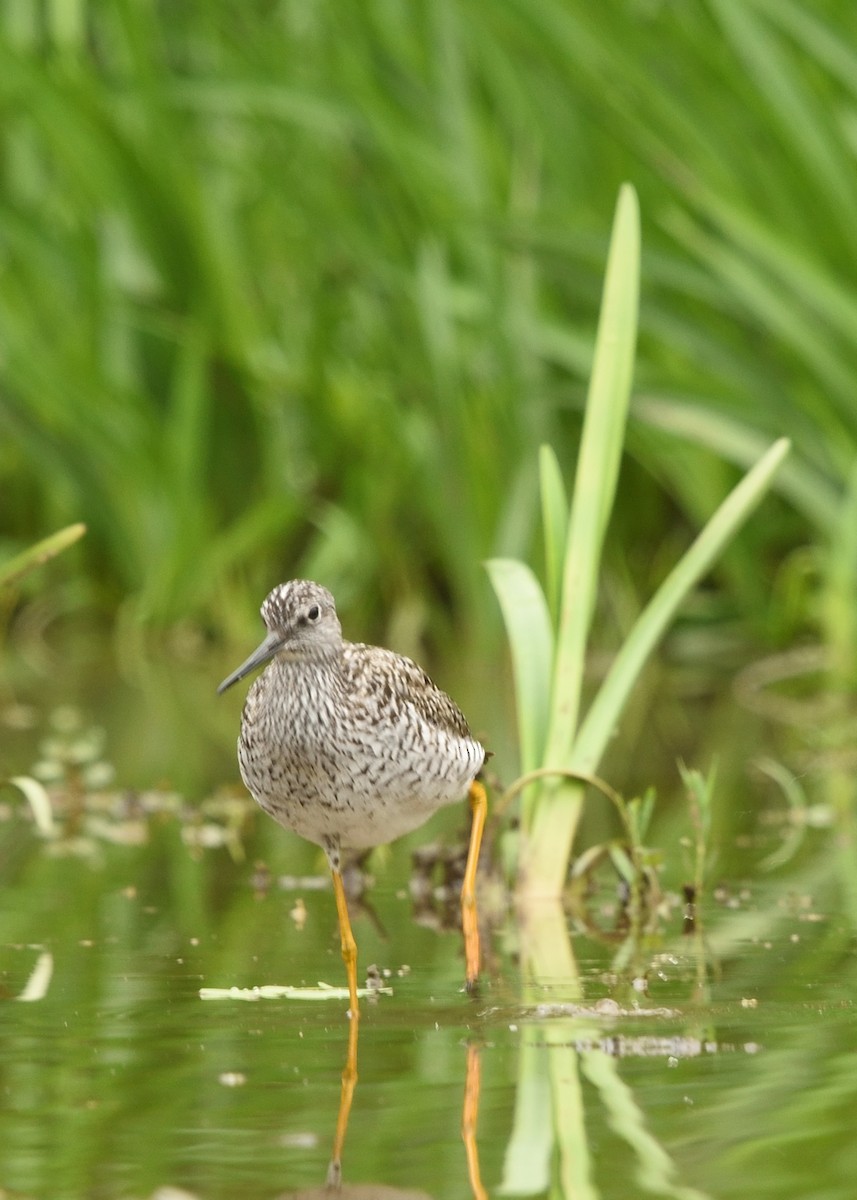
[{"x": 719, "y": 1062}]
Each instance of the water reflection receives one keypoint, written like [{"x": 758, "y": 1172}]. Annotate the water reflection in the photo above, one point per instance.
[
  {"x": 557, "y": 1055},
  {"x": 602, "y": 1060},
  {"x": 349, "y": 1082},
  {"x": 334, "y": 1182},
  {"x": 469, "y": 1120}
]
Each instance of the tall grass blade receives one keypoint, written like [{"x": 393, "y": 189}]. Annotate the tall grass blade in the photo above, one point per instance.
[
  {"x": 597, "y": 469},
  {"x": 556, "y": 810},
  {"x": 607, "y": 706},
  {"x": 36, "y": 555},
  {"x": 808, "y": 489},
  {"x": 791, "y": 101},
  {"x": 839, "y": 600},
  {"x": 525, "y": 614},
  {"x": 554, "y": 524}
]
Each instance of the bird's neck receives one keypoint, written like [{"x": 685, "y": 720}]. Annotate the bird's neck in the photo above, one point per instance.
[
  {"x": 319, "y": 655},
  {"x": 325, "y": 659}
]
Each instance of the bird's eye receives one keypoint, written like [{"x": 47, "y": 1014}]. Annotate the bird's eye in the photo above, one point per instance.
[{"x": 314, "y": 613}]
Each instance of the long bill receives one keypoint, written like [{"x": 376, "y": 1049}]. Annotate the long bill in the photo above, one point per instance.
[{"x": 269, "y": 647}]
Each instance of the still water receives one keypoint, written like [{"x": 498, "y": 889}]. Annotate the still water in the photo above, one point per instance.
[{"x": 714, "y": 1061}]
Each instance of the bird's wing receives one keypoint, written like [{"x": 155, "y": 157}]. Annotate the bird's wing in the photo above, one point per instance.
[{"x": 387, "y": 681}]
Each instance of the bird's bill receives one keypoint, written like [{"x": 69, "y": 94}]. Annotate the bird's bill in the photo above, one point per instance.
[{"x": 272, "y": 643}]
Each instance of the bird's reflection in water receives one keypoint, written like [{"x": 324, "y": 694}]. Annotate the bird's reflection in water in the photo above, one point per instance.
[
  {"x": 469, "y": 1114},
  {"x": 334, "y": 1185},
  {"x": 346, "y": 1096}
]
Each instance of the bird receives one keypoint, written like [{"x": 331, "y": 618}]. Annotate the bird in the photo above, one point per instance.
[{"x": 352, "y": 746}]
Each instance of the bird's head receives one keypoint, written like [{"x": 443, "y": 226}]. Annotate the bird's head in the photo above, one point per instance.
[{"x": 301, "y": 620}]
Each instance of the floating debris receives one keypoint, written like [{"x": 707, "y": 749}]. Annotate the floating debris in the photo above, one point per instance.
[
  {"x": 36, "y": 987},
  {"x": 39, "y": 801},
  {"x": 273, "y": 991},
  {"x": 653, "y": 1046},
  {"x": 299, "y": 913},
  {"x": 605, "y": 1007},
  {"x": 168, "y": 1192},
  {"x": 74, "y": 807},
  {"x": 309, "y": 883},
  {"x": 299, "y": 1141}
]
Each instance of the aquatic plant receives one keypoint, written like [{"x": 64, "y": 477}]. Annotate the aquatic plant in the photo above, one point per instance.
[{"x": 548, "y": 626}]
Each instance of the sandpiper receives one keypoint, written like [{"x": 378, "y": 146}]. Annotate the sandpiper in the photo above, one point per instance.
[{"x": 352, "y": 746}]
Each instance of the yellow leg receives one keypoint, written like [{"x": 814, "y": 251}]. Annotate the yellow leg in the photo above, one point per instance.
[
  {"x": 349, "y": 946},
  {"x": 470, "y": 926}
]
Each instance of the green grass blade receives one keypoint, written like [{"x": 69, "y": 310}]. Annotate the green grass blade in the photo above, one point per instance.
[
  {"x": 791, "y": 100},
  {"x": 554, "y": 524},
  {"x": 33, "y": 557},
  {"x": 839, "y": 602},
  {"x": 525, "y": 614},
  {"x": 597, "y": 468},
  {"x": 831, "y": 48},
  {"x": 807, "y": 488},
  {"x": 770, "y": 289},
  {"x": 601, "y": 719},
  {"x": 547, "y": 851}
]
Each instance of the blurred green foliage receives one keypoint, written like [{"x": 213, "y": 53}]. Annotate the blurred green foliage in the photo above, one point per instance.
[{"x": 299, "y": 288}]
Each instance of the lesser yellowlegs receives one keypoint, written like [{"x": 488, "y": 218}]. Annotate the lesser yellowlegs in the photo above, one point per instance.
[{"x": 352, "y": 746}]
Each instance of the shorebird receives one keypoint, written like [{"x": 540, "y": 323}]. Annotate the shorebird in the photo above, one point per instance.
[{"x": 352, "y": 746}]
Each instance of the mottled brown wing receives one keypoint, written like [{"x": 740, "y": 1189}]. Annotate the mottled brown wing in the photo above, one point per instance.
[{"x": 386, "y": 681}]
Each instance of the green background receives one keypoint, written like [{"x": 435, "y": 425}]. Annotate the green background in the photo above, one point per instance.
[{"x": 299, "y": 288}]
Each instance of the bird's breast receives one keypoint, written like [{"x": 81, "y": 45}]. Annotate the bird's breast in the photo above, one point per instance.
[{"x": 325, "y": 762}]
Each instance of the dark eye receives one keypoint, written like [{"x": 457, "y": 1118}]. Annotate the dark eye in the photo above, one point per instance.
[{"x": 314, "y": 613}]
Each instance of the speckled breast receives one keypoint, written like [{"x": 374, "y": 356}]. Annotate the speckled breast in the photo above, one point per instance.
[{"x": 332, "y": 766}]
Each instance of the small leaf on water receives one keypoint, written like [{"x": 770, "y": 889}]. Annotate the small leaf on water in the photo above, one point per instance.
[{"x": 39, "y": 801}]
